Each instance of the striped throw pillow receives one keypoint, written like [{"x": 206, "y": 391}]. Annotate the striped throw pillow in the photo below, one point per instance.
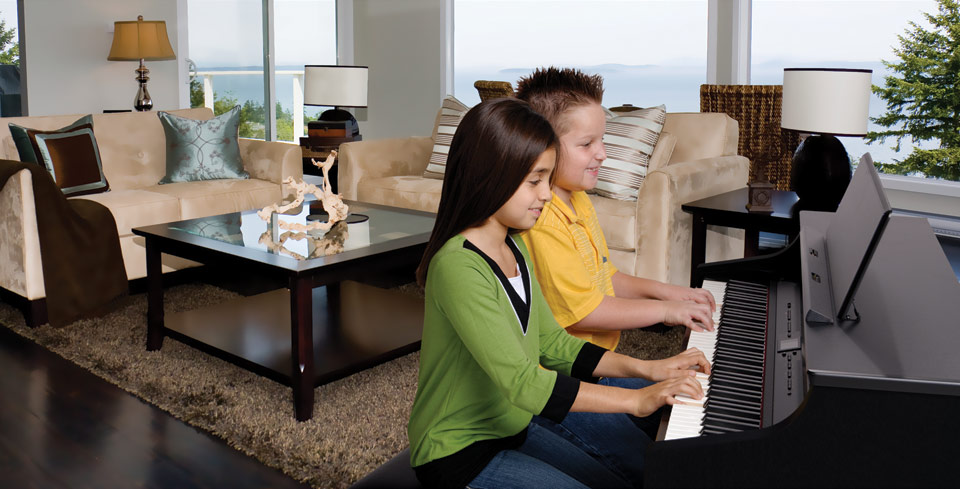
[
  {"x": 629, "y": 140},
  {"x": 448, "y": 119}
]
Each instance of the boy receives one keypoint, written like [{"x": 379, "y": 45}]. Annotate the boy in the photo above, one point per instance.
[{"x": 587, "y": 295}]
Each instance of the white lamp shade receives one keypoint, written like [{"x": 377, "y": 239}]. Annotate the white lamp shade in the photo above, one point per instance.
[
  {"x": 335, "y": 86},
  {"x": 826, "y": 100}
]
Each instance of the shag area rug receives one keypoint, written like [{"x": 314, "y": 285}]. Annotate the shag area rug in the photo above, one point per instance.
[{"x": 359, "y": 422}]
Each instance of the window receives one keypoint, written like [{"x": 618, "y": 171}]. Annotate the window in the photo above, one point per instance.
[
  {"x": 648, "y": 52},
  {"x": 305, "y": 34},
  {"x": 10, "y": 76},
  {"x": 226, "y": 44},
  {"x": 835, "y": 34},
  {"x": 228, "y": 60}
]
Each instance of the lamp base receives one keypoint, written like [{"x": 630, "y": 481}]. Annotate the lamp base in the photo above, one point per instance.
[
  {"x": 761, "y": 197},
  {"x": 333, "y": 123},
  {"x": 142, "y": 102}
]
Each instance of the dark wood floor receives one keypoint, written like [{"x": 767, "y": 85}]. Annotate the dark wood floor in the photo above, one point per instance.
[{"x": 63, "y": 427}]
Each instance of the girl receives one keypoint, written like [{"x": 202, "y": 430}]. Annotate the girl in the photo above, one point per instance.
[{"x": 487, "y": 327}]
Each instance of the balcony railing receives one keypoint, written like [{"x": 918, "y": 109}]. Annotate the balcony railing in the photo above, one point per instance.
[{"x": 297, "y": 88}]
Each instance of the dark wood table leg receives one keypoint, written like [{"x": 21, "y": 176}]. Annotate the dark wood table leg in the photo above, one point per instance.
[
  {"x": 333, "y": 308},
  {"x": 698, "y": 247},
  {"x": 751, "y": 242},
  {"x": 301, "y": 334},
  {"x": 154, "y": 297}
]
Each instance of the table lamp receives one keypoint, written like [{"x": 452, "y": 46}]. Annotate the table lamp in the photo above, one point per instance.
[
  {"x": 337, "y": 87},
  {"x": 141, "y": 40},
  {"x": 824, "y": 103}
]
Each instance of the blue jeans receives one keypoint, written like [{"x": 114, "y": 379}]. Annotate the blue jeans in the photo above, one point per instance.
[
  {"x": 618, "y": 441},
  {"x": 544, "y": 460}
]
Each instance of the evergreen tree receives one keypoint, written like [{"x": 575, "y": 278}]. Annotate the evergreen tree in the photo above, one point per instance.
[
  {"x": 923, "y": 96},
  {"x": 9, "y": 55}
]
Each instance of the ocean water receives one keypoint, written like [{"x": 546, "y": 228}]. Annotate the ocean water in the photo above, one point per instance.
[
  {"x": 677, "y": 87},
  {"x": 250, "y": 87}
]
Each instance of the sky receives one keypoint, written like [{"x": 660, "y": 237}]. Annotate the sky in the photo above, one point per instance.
[{"x": 498, "y": 39}]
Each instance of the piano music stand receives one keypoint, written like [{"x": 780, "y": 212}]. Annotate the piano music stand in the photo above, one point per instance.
[{"x": 841, "y": 254}]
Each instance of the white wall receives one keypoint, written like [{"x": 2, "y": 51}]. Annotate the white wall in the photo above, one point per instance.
[
  {"x": 402, "y": 41},
  {"x": 67, "y": 42}
]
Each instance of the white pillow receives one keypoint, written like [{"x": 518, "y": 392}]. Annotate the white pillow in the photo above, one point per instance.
[
  {"x": 630, "y": 139},
  {"x": 451, "y": 112}
]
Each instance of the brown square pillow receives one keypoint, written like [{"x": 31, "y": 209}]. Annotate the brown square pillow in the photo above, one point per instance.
[{"x": 72, "y": 157}]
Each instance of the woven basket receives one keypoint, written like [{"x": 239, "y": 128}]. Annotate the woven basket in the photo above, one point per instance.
[
  {"x": 493, "y": 89},
  {"x": 757, "y": 109}
]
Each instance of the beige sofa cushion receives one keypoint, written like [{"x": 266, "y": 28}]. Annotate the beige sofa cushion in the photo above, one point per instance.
[
  {"x": 408, "y": 191},
  {"x": 133, "y": 146},
  {"x": 704, "y": 135},
  {"x": 134, "y": 208},
  {"x": 618, "y": 219},
  {"x": 212, "y": 197},
  {"x": 663, "y": 152}
]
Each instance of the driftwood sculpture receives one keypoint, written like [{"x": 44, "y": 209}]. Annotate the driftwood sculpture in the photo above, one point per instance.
[
  {"x": 330, "y": 244},
  {"x": 331, "y": 202}
]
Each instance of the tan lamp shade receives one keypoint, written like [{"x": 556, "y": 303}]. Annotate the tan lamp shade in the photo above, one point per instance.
[{"x": 140, "y": 39}]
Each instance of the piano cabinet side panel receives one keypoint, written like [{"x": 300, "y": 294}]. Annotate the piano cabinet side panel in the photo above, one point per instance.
[{"x": 838, "y": 437}]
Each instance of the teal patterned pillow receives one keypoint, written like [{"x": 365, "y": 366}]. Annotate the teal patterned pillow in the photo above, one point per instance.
[{"x": 202, "y": 150}]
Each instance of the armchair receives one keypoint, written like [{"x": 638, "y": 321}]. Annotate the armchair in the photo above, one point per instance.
[{"x": 649, "y": 237}]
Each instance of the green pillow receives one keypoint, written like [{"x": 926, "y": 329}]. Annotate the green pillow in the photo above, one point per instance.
[
  {"x": 25, "y": 147},
  {"x": 202, "y": 150}
]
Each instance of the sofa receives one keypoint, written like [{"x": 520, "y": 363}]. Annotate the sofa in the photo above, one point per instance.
[
  {"x": 133, "y": 153},
  {"x": 694, "y": 158}
]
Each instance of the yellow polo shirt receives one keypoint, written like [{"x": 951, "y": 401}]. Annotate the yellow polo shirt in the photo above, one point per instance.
[{"x": 572, "y": 264}]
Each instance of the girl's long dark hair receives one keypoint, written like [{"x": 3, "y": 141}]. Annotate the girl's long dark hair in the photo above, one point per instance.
[{"x": 493, "y": 150}]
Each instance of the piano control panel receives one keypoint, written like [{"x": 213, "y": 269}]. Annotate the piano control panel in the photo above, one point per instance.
[{"x": 789, "y": 378}]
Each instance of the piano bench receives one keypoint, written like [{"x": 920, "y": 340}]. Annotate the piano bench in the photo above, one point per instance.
[{"x": 395, "y": 473}]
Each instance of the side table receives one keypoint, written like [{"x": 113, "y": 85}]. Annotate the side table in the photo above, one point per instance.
[
  {"x": 729, "y": 209},
  {"x": 318, "y": 149}
]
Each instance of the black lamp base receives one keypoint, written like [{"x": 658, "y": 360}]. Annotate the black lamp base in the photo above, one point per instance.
[
  {"x": 334, "y": 123},
  {"x": 820, "y": 174}
]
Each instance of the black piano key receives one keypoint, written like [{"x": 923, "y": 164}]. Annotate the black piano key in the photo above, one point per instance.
[
  {"x": 747, "y": 407},
  {"x": 730, "y": 374},
  {"x": 721, "y": 421},
  {"x": 721, "y": 412}
]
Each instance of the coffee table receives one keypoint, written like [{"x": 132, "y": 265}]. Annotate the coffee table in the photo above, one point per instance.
[{"x": 322, "y": 326}]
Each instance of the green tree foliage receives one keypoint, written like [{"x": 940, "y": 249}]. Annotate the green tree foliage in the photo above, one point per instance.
[
  {"x": 9, "y": 55},
  {"x": 923, "y": 96},
  {"x": 252, "y": 116}
]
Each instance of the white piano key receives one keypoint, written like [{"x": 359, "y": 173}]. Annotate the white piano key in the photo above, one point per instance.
[{"x": 685, "y": 419}]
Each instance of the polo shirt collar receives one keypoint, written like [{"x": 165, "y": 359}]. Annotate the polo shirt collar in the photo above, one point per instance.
[{"x": 561, "y": 206}]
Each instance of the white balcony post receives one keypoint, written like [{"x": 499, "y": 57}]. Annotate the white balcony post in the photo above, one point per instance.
[
  {"x": 297, "y": 106},
  {"x": 208, "y": 91}
]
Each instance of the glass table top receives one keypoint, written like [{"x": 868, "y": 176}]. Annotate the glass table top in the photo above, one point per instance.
[{"x": 365, "y": 226}]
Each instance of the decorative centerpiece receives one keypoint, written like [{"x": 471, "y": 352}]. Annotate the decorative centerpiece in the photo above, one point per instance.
[
  {"x": 330, "y": 244},
  {"x": 332, "y": 203}
]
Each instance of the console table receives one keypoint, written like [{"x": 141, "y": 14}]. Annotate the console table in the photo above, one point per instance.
[{"x": 730, "y": 209}]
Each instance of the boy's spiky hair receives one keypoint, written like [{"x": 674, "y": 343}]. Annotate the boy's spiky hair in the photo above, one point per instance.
[{"x": 553, "y": 91}]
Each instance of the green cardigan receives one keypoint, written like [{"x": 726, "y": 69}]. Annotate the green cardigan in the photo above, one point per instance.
[{"x": 480, "y": 374}]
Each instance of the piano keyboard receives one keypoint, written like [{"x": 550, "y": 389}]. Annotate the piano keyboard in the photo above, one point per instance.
[{"x": 733, "y": 392}]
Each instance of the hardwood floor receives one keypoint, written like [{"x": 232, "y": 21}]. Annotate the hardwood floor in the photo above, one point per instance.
[{"x": 63, "y": 427}]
